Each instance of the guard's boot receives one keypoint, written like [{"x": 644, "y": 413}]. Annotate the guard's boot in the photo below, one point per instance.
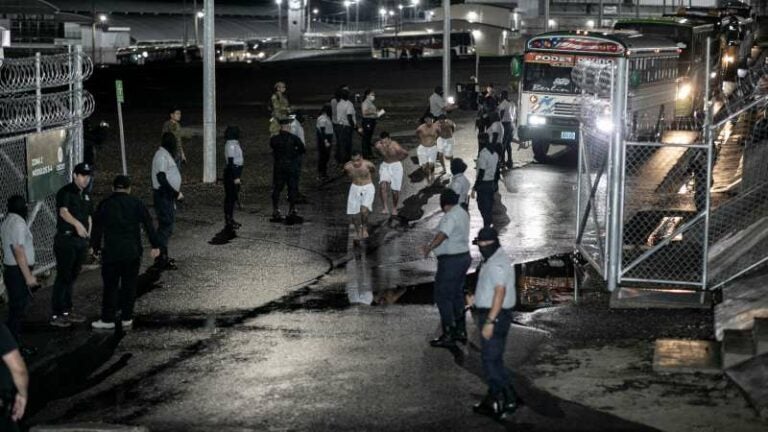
[
  {"x": 460, "y": 330},
  {"x": 510, "y": 401},
  {"x": 445, "y": 340},
  {"x": 276, "y": 217},
  {"x": 489, "y": 406}
]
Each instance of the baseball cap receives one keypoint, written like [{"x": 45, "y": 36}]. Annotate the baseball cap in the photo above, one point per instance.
[
  {"x": 83, "y": 169},
  {"x": 121, "y": 182}
]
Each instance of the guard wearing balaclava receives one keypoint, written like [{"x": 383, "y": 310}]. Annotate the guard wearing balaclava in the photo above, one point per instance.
[{"x": 494, "y": 299}]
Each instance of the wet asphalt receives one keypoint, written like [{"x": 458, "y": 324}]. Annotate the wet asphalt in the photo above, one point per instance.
[{"x": 274, "y": 331}]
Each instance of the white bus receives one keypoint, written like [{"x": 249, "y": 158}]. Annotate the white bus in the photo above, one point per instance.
[
  {"x": 549, "y": 99},
  {"x": 391, "y": 46}
]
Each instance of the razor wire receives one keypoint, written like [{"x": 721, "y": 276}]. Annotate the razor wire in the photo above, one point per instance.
[
  {"x": 19, "y": 75},
  {"x": 19, "y": 113}
]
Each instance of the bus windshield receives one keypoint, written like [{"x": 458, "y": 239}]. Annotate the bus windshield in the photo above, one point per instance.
[{"x": 543, "y": 77}]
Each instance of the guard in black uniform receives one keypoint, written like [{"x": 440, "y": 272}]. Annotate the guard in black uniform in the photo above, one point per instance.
[
  {"x": 118, "y": 220},
  {"x": 287, "y": 149},
  {"x": 73, "y": 229}
]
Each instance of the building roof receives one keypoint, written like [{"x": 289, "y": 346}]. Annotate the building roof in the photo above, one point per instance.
[{"x": 166, "y": 7}]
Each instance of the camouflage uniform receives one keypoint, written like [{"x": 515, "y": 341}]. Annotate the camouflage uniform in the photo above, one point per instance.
[{"x": 281, "y": 109}]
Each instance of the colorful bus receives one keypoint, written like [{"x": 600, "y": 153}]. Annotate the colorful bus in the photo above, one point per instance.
[
  {"x": 392, "y": 46},
  {"x": 549, "y": 98}
]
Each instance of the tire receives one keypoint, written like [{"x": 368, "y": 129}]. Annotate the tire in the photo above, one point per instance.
[{"x": 540, "y": 150}]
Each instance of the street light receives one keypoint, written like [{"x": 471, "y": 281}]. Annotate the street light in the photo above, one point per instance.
[
  {"x": 279, "y": 17},
  {"x": 382, "y": 17},
  {"x": 357, "y": 15},
  {"x": 102, "y": 19},
  {"x": 347, "y": 4}
]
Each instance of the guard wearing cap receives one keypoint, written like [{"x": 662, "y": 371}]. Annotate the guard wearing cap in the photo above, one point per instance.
[
  {"x": 73, "y": 229},
  {"x": 118, "y": 221},
  {"x": 494, "y": 299},
  {"x": 451, "y": 246},
  {"x": 287, "y": 150}
]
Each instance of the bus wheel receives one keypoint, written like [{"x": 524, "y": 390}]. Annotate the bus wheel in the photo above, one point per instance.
[{"x": 540, "y": 150}]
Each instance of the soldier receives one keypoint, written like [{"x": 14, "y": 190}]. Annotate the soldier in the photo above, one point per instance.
[
  {"x": 370, "y": 116},
  {"x": 287, "y": 150},
  {"x": 279, "y": 107},
  {"x": 493, "y": 300},
  {"x": 73, "y": 229},
  {"x": 173, "y": 125},
  {"x": 118, "y": 221}
]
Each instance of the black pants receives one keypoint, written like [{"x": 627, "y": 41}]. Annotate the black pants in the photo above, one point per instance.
[
  {"x": 165, "y": 210},
  {"x": 369, "y": 125},
  {"x": 344, "y": 144},
  {"x": 506, "y": 145},
  {"x": 70, "y": 251},
  {"x": 231, "y": 190},
  {"x": 337, "y": 133},
  {"x": 449, "y": 286},
  {"x": 323, "y": 154},
  {"x": 119, "y": 289},
  {"x": 285, "y": 175},
  {"x": 18, "y": 298},
  {"x": 492, "y": 353},
  {"x": 485, "y": 195}
]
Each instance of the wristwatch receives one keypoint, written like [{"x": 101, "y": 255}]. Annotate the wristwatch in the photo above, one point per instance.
[{"x": 491, "y": 321}]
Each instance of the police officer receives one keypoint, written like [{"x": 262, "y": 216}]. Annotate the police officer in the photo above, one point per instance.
[
  {"x": 487, "y": 178},
  {"x": 14, "y": 383},
  {"x": 166, "y": 191},
  {"x": 451, "y": 246},
  {"x": 459, "y": 183},
  {"x": 18, "y": 262},
  {"x": 287, "y": 149},
  {"x": 118, "y": 221},
  {"x": 70, "y": 245},
  {"x": 494, "y": 299}
]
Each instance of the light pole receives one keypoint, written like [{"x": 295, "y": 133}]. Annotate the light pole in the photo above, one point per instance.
[
  {"x": 279, "y": 17},
  {"x": 382, "y": 17},
  {"x": 209, "y": 94},
  {"x": 415, "y": 4},
  {"x": 102, "y": 19},
  {"x": 198, "y": 16},
  {"x": 357, "y": 15},
  {"x": 315, "y": 12},
  {"x": 400, "y": 8},
  {"x": 347, "y": 4}
]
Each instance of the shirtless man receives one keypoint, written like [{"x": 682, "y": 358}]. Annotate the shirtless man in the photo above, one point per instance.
[
  {"x": 427, "y": 150},
  {"x": 390, "y": 170},
  {"x": 445, "y": 129},
  {"x": 361, "y": 193}
]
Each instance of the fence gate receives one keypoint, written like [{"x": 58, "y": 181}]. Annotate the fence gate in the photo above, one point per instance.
[{"x": 41, "y": 101}]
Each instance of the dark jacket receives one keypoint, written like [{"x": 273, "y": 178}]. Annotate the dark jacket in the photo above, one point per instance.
[
  {"x": 286, "y": 149},
  {"x": 118, "y": 220}
]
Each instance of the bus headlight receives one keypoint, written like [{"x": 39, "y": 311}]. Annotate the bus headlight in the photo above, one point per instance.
[
  {"x": 537, "y": 120},
  {"x": 684, "y": 91},
  {"x": 727, "y": 59},
  {"x": 604, "y": 124}
]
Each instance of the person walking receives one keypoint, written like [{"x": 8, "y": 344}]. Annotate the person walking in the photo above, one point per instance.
[
  {"x": 279, "y": 107},
  {"x": 451, "y": 246},
  {"x": 390, "y": 171},
  {"x": 346, "y": 118},
  {"x": 494, "y": 299},
  {"x": 495, "y": 131},
  {"x": 445, "y": 142},
  {"x": 370, "y": 114},
  {"x": 166, "y": 192},
  {"x": 438, "y": 105},
  {"x": 118, "y": 221},
  {"x": 336, "y": 125},
  {"x": 324, "y": 128},
  {"x": 459, "y": 182},
  {"x": 18, "y": 262},
  {"x": 14, "y": 383},
  {"x": 233, "y": 170},
  {"x": 361, "y": 193},
  {"x": 287, "y": 150},
  {"x": 487, "y": 178},
  {"x": 507, "y": 112},
  {"x": 427, "y": 149},
  {"x": 70, "y": 245}
]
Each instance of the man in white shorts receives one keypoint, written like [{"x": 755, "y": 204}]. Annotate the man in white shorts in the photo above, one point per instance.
[
  {"x": 390, "y": 170},
  {"x": 445, "y": 130},
  {"x": 361, "y": 193},
  {"x": 427, "y": 150}
]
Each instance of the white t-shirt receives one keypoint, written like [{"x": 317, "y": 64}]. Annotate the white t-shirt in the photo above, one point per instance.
[
  {"x": 487, "y": 161},
  {"x": 496, "y": 271},
  {"x": 163, "y": 162},
  {"x": 505, "y": 108},
  {"x": 298, "y": 129},
  {"x": 323, "y": 122},
  {"x": 15, "y": 232},
  {"x": 460, "y": 185},
  {"x": 232, "y": 150},
  {"x": 436, "y": 105},
  {"x": 455, "y": 225},
  {"x": 343, "y": 109},
  {"x": 495, "y": 128}
]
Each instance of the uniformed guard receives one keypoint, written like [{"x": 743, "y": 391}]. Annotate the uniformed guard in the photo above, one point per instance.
[
  {"x": 14, "y": 383},
  {"x": 279, "y": 107},
  {"x": 118, "y": 221},
  {"x": 287, "y": 149},
  {"x": 487, "y": 179},
  {"x": 73, "y": 229},
  {"x": 233, "y": 169},
  {"x": 494, "y": 299},
  {"x": 166, "y": 191},
  {"x": 459, "y": 183},
  {"x": 451, "y": 246}
]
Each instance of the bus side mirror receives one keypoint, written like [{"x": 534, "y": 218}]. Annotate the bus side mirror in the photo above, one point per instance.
[{"x": 516, "y": 66}]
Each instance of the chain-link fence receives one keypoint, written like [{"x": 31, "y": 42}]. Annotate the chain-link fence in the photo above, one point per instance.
[{"x": 687, "y": 198}]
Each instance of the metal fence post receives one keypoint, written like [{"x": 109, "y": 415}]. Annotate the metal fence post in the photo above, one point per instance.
[
  {"x": 38, "y": 95},
  {"x": 77, "y": 151},
  {"x": 709, "y": 140},
  {"x": 617, "y": 141}
]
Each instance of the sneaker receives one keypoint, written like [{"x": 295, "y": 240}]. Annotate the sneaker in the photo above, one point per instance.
[
  {"x": 127, "y": 323},
  {"x": 101, "y": 325},
  {"x": 59, "y": 321},
  {"x": 73, "y": 317}
]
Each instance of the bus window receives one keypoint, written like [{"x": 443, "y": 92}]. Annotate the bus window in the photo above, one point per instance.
[{"x": 547, "y": 78}]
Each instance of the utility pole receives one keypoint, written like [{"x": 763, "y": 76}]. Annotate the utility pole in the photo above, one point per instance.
[
  {"x": 279, "y": 17},
  {"x": 357, "y": 15},
  {"x": 447, "y": 47},
  {"x": 546, "y": 15},
  {"x": 209, "y": 94}
]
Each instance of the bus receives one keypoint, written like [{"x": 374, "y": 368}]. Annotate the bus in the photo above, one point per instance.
[
  {"x": 549, "y": 106},
  {"x": 231, "y": 51},
  {"x": 392, "y": 46},
  {"x": 690, "y": 33}
]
